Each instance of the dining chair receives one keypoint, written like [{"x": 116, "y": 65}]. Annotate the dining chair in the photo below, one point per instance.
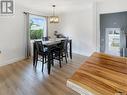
[
  {"x": 64, "y": 49},
  {"x": 60, "y": 51},
  {"x": 56, "y": 54},
  {"x": 41, "y": 51}
]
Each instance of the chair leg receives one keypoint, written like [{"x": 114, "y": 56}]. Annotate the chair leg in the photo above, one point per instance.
[
  {"x": 36, "y": 61},
  {"x": 66, "y": 58},
  {"x": 35, "y": 64},
  {"x": 60, "y": 63},
  {"x": 42, "y": 64},
  {"x": 67, "y": 53},
  {"x": 52, "y": 60},
  {"x": 45, "y": 58},
  {"x": 62, "y": 56},
  {"x": 60, "y": 60}
]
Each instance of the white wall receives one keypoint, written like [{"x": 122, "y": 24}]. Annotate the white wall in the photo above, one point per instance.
[
  {"x": 52, "y": 27},
  {"x": 13, "y": 35},
  {"x": 111, "y": 6},
  {"x": 108, "y": 6},
  {"x": 80, "y": 26}
]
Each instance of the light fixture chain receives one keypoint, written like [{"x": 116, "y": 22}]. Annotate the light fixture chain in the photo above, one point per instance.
[{"x": 53, "y": 10}]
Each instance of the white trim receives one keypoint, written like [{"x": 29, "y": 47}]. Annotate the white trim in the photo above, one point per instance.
[
  {"x": 78, "y": 89},
  {"x": 80, "y": 53},
  {"x": 98, "y": 30},
  {"x": 11, "y": 61}
]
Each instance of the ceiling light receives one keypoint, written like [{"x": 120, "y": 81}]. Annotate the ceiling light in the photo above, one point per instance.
[{"x": 53, "y": 18}]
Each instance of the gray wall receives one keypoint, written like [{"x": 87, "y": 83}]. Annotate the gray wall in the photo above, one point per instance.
[{"x": 113, "y": 20}]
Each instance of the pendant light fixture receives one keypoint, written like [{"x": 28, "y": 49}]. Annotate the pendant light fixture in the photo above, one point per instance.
[{"x": 53, "y": 18}]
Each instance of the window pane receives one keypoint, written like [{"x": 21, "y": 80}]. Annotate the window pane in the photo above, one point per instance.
[
  {"x": 112, "y": 41},
  {"x": 38, "y": 27}
]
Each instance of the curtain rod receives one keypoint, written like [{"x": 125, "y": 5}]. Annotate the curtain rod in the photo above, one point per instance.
[{"x": 34, "y": 14}]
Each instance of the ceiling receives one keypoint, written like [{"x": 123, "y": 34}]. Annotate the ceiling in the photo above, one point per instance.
[{"x": 61, "y": 5}]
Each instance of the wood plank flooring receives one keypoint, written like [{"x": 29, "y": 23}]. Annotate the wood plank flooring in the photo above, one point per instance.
[{"x": 22, "y": 79}]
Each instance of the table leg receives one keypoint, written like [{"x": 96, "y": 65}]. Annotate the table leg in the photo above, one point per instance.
[
  {"x": 71, "y": 49},
  {"x": 49, "y": 64},
  {"x": 34, "y": 54}
]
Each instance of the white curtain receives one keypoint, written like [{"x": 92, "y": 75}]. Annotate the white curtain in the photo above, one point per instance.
[
  {"x": 27, "y": 29},
  {"x": 28, "y": 48}
]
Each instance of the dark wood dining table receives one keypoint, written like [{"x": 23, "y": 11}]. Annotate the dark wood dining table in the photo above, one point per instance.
[{"x": 49, "y": 45}]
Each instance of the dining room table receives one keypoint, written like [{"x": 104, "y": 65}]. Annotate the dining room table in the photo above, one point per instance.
[{"x": 49, "y": 44}]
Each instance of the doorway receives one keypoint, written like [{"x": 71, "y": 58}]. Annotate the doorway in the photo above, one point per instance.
[
  {"x": 113, "y": 29},
  {"x": 112, "y": 41}
]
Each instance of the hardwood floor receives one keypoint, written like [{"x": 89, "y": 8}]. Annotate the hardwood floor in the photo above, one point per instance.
[{"x": 22, "y": 79}]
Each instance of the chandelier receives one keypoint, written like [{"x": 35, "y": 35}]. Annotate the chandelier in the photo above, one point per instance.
[{"x": 53, "y": 18}]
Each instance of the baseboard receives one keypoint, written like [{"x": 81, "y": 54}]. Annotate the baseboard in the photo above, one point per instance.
[
  {"x": 11, "y": 61},
  {"x": 80, "y": 53}
]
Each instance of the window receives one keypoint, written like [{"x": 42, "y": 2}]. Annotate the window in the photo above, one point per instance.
[
  {"x": 113, "y": 41},
  {"x": 38, "y": 27}
]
